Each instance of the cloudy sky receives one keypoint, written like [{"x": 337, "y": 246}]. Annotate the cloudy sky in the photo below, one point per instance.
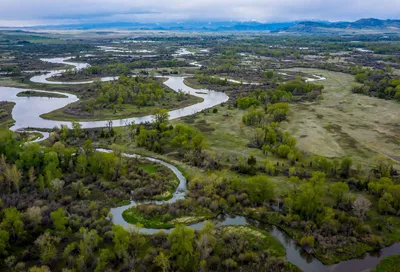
[{"x": 34, "y": 12}]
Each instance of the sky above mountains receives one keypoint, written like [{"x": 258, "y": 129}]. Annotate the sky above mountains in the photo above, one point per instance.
[{"x": 38, "y": 12}]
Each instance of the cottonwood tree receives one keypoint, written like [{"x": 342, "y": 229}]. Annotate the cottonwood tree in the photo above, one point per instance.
[
  {"x": 34, "y": 215},
  {"x": 160, "y": 116},
  {"x": 361, "y": 206},
  {"x": 57, "y": 185},
  {"x": 181, "y": 239},
  {"x": 12, "y": 222},
  {"x": 77, "y": 129},
  {"x": 4, "y": 238},
  {"x": 60, "y": 219},
  {"x": 47, "y": 244},
  {"x": 162, "y": 261},
  {"x": 31, "y": 175},
  {"x": 206, "y": 242},
  {"x": 13, "y": 175}
]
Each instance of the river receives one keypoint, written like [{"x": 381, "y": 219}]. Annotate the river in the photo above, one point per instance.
[
  {"x": 294, "y": 253},
  {"x": 27, "y": 111}
]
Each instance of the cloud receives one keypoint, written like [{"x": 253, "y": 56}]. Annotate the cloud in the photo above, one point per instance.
[{"x": 161, "y": 10}]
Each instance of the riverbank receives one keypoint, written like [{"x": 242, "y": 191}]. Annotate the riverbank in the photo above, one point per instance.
[{"x": 6, "y": 119}]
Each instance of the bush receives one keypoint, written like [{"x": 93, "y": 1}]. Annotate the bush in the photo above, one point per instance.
[{"x": 307, "y": 241}]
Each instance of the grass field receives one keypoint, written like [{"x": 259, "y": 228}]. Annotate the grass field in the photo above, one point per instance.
[{"x": 345, "y": 124}]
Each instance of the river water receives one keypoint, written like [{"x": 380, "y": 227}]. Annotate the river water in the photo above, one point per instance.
[
  {"x": 27, "y": 111},
  {"x": 294, "y": 253}
]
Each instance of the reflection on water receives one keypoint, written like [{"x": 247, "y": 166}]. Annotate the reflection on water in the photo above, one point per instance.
[{"x": 27, "y": 110}]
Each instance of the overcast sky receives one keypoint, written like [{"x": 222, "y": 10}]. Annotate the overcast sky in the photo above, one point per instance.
[{"x": 33, "y": 12}]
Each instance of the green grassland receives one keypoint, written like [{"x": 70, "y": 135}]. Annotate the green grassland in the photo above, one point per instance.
[{"x": 345, "y": 124}]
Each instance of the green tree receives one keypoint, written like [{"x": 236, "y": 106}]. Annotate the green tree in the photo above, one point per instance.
[
  {"x": 13, "y": 175},
  {"x": 206, "y": 241},
  {"x": 12, "y": 222},
  {"x": 181, "y": 239},
  {"x": 60, "y": 220},
  {"x": 260, "y": 189},
  {"x": 48, "y": 245},
  {"x": 121, "y": 241},
  {"x": 385, "y": 204},
  {"x": 162, "y": 261},
  {"x": 4, "y": 238},
  {"x": 87, "y": 246},
  {"x": 80, "y": 189},
  {"x": 160, "y": 116},
  {"x": 339, "y": 191},
  {"x": 382, "y": 166},
  {"x": 77, "y": 128},
  {"x": 345, "y": 166}
]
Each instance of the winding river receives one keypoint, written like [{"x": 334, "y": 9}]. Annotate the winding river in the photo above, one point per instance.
[
  {"x": 27, "y": 111},
  {"x": 294, "y": 253}
]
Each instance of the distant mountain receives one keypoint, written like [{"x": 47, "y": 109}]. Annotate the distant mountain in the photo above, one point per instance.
[
  {"x": 362, "y": 24},
  {"x": 235, "y": 26},
  {"x": 174, "y": 26}
]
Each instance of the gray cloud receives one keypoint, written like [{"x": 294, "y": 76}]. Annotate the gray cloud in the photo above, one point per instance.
[{"x": 42, "y": 11}]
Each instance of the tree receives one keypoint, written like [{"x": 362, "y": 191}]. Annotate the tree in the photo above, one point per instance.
[
  {"x": 77, "y": 128},
  {"x": 48, "y": 245},
  {"x": 118, "y": 151},
  {"x": 181, "y": 239},
  {"x": 81, "y": 164},
  {"x": 105, "y": 257},
  {"x": 339, "y": 190},
  {"x": 307, "y": 241},
  {"x": 160, "y": 116},
  {"x": 206, "y": 241},
  {"x": 162, "y": 261},
  {"x": 385, "y": 204},
  {"x": 80, "y": 189},
  {"x": 57, "y": 185},
  {"x": 34, "y": 215},
  {"x": 4, "y": 238},
  {"x": 60, "y": 219},
  {"x": 198, "y": 143},
  {"x": 382, "y": 166},
  {"x": 87, "y": 245},
  {"x": 31, "y": 175},
  {"x": 345, "y": 166},
  {"x": 308, "y": 200},
  {"x": 64, "y": 131},
  {"x": 120, "y": 240},
  {"x": 380, "y": 186},
  {"x": 260, "y": 189},
  {"x": 269, "y": 74},
  {"x": 12, "y": 222},
  {"x": 88, "y": 148},
  {"x": 361, "y": 206},
  {"x": 13, "y": 175}
]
